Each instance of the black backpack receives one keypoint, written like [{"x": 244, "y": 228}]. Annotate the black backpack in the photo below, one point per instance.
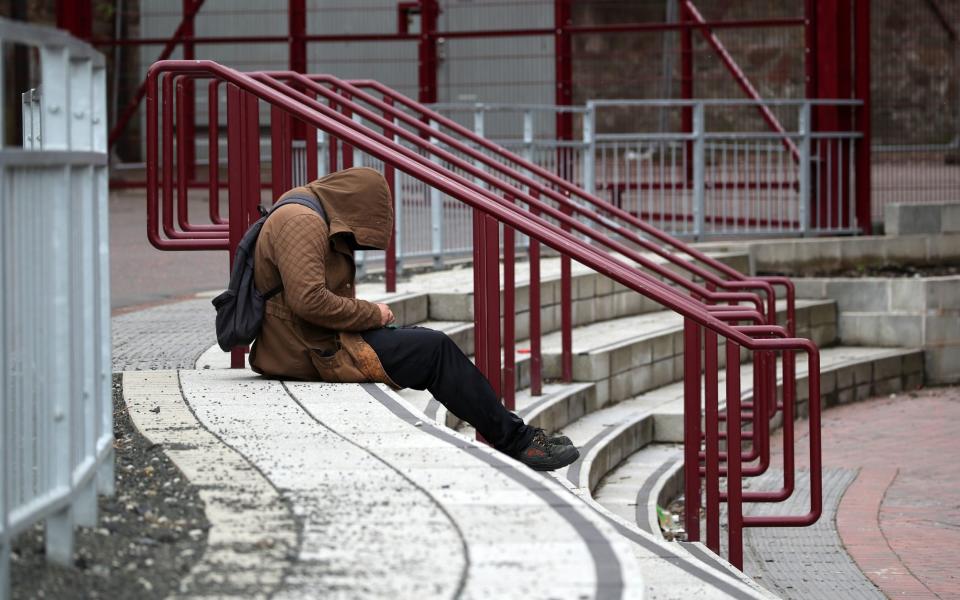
[{"x": 240, "y": 307}]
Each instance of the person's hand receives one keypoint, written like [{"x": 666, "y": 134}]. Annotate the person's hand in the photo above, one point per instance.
[{"x": 386, "y": 315}]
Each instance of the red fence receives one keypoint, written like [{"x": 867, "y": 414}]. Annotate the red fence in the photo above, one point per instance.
[{"x": 526, "y": 199}]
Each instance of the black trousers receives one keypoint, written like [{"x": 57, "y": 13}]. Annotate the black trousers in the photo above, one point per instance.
[{"x": 425, "y": 359}]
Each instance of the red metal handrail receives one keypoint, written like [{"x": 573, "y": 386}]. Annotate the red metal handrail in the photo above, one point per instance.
[
  {"x": 736, "y": 280},
  {"x": 243, "y": 93}
]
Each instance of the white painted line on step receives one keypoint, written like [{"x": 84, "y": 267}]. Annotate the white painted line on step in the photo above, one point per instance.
[
  {"x": 252, "y": 532},
  {"x": 368, "y": 531}
]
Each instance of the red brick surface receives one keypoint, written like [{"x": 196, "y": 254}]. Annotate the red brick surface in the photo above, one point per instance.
[{"x": 900, "y": 519}]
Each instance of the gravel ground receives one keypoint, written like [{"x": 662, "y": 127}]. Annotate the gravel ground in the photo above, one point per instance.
[{"x": 147, "y": 537}]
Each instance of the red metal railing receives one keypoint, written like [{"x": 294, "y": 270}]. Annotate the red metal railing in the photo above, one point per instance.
[{"x": 522, "y": 207}]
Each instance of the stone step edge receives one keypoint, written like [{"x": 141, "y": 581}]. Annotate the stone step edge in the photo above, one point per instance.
[
  {"x": 654, "y": 417},
  {"x": 735, "y": 583},
  {"x": 552, "y": 422},
  {"x": 263, "y": 523}
]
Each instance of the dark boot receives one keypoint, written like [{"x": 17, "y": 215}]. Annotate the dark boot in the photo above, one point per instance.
[{"x": 541, "y": 455}]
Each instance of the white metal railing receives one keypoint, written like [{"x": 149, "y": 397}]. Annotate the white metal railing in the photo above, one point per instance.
[
  {"x": 56, "y": 418},
  {"x": 715, "y": 179}
]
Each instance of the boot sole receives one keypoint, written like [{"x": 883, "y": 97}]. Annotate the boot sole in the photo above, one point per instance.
[{"x": 553, "y": 466}]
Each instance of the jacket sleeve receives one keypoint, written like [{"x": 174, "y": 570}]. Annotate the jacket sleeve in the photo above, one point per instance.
[{"x": 300, "y": 251}]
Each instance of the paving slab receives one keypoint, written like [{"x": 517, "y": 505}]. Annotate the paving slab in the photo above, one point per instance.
[
  {"x": 254, "y": 532},
  {"x": 374, "y": 494}
]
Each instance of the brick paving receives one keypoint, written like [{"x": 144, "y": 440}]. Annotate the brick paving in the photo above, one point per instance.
[{"x": 900, "y": 519}]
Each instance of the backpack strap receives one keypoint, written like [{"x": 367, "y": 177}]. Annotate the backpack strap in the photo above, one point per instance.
[{"x": 303, "y": 201}]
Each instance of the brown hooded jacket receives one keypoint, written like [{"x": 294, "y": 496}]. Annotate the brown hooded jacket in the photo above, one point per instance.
[{"x": 310, "y": 329}]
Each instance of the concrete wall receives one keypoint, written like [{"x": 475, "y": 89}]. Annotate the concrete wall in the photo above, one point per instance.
[
  {"x": 903, "y": 312},
  {"x": 807, "y": 255},
  {"x": 908, "y": 219}
]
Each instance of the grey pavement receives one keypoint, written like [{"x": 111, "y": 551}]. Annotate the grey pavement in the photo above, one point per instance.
[{"x": 804, "y": 562}]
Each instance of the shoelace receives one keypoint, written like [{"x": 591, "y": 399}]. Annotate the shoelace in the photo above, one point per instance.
[{"x": 540, "y": 437}]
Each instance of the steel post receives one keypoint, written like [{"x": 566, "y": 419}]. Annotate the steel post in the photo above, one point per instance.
[
  {"x": 589, "y": 159},
  {"x": 686, "y": 86},
  {"x": 536, "y": 356},
  {"x": 566, "y": 313},
  {"x": 76, "y": 16},
  {"x": 712, "y": 429},
  {"x": 235, "y": 164},
  {"x": 691, "y": 428},
  {"x": 863, "y": 117},
  {"x": 509, "y": 318},
  {"x": 806, "y": 165},
  {"x": 427, "y": 52},
  {"x": 436, "y": 220},
  {"x": 699, "y": 171},
  {"x": 390, "y": 174},
  {"x": 297, "y": 58},
  {"x": 734, "y": 481}
]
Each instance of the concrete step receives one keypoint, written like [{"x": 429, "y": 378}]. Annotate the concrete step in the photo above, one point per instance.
[
  {"x": 595, "y": 297},
  {"x": 620, "y": 357},
  {"x": 649, "y": 477},
  {"x": 613, "y": 433}
]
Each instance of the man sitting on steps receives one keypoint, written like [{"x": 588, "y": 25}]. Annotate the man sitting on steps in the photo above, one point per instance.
[{"x": 316, "y": 329}]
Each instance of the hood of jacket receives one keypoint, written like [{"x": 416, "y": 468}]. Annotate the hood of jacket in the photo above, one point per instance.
[{"x": 357, "y": 202}]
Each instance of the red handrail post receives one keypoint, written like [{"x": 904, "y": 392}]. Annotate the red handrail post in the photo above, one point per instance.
[
  {"x": 491, "y": 289},
  {"x": 533, "y": 296},
  {"x": 347, "y": 149},
  {"x": 213, "y": 151},
  {"x": 251, "y": 168},
  {"x": 332, "y": 142},
  {"x": 509, "y": 318},
  {"x": 313, "y": 158},
  {"x": 390, "y": 174},
  {"x": 712, "y": 429},
  {"x": 479, "y": 300},
  {"x": 566, "y": 313},
  {"x": 235, "y": 164},
  {"x": 691, "y": 428},
  {"x": 734, "y": 480},
  {"x": 183, "y": 129},
  {"x": 281, "y": 172}
]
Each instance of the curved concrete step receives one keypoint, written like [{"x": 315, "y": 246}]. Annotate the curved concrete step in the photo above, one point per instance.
[
  {"x": 619, "y": 358},
  {"x": 385, "y": 503},
  {"x": 613, "y": 433}
]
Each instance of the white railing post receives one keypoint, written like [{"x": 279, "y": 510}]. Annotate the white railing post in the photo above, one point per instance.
[
  {"x": 804, "y": 166},
  {"x": 26, "y": 101},
  {"x": 56, "y": 413},
  {"x": 699, "y": 171},
  {"x": 80, "y": 93},
  {"x": 103, "y": 390},
  {"x": 55, "y": 135},
  {"x": 589, "y": 149},
  {"x": 5, "y": 433},
  {"x": 528, "y": 136},
  {"x": 436, "y": 217}
]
